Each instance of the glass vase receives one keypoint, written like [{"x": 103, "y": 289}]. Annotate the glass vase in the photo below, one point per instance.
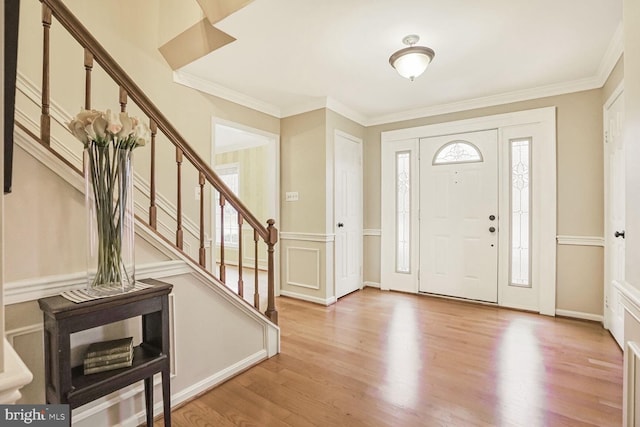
[{"x": 108, "y": 178}]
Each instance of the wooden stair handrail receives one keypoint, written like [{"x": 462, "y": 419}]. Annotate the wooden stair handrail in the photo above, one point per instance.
[{"x": 111, "y": 67}]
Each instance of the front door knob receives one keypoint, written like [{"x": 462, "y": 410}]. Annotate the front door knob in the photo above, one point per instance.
[
  {"x": 492, "y": 229},
  {"x": 619, "y": 234},
  {"x": 340, "y": 225},
  {"x": 492, "y": 217}
]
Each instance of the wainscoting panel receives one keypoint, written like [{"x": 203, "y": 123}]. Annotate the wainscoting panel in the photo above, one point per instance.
[
  {"x": 631, "y": 395},
  {"x": 303, "y": 267}
]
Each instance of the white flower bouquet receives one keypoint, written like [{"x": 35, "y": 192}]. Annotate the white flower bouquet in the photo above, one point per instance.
[{"x": 109, "y": 140}]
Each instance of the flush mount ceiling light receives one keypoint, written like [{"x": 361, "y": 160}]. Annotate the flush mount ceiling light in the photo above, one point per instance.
[{"x": 411, "y": 61}]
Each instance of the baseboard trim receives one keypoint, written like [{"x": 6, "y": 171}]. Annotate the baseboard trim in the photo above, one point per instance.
[
  {"x": 372, "y": 285},
  {"x": 190, "y": 392},
  {"x": 580, "y": 315},
  {"x": 316, "y": 300}
]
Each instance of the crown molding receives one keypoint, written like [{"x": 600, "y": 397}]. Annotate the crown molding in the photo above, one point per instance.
[
  {"x": 328, "y": 103},
  {"x": 612, "y": 55},
  {"x": 215, "y": 89},
  {"x": 490, "y": 101}
]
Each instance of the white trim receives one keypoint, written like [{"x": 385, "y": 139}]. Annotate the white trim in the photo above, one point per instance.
[
  {"x": 580, "y": 240},
  {"x": 345, "y": 111},
  {"x": 309, "y": 298},
  {"x": 612, "y": 54},
  {"x": 288, "y": 263},
  {"x": 215, "y": 89},
  {"x": 372, "y": 285},
  {"x": 631, "y": 357},
  {"x": 515, "y": 118},
  {"x": 206, "y": 384},
  {"x": 612, "y": 98},
  {"x": 544, "y": 258},
  {"x": 33, "y": 93},
  {"x": 11, "y": 334},
  {"x": 307, "y": 237},
  {"x": 631, "y": 297},
  {"x": 40, "y": 287},
  {"x": 15, "y": 376},
  {"x": 580, "y": 315},
  {"x": 44, "y": 156},
  {"x": 215, "y": 379},
  {"x": 493, "y": 100},
  {"x": 372, "y": 232}
]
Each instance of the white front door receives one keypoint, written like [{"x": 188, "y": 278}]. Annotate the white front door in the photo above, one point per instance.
[
  {"x": 614, "y": 216},
  {"x": 348, "y": 214},
  {"x": 459, "y": 215}
]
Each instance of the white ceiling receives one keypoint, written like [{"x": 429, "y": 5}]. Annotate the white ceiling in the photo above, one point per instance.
[{"x": 296, "y": 55}]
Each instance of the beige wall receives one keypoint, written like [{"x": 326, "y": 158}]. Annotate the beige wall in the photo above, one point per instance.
[
  {"x": 307, "y": 166},
  {"x": 306, "y": 149},
  {"x": 253, "y": 178},
  {"x": 134, "y": 43},
  {"x": 256, "y": 195},
  {"x": 580, "y": 189},
  {"x": 631, "y": 13},
  {"x": 303, "y": 169}
]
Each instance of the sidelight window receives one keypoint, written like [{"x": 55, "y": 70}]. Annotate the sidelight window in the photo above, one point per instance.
[
  {"x": 520, "y": 154},
  {"x": 403, "y": 212}
]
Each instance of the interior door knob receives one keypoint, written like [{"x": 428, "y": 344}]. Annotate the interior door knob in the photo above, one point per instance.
[
  {"x": 340, "y": 225},
  {"x": 619, "y": 234},
  {"x": 492, "y": 229}
]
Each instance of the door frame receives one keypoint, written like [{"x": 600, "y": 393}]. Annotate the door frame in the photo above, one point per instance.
[
  {"x": 338, "y": 133},
  {"x": 273, "y": 159},
  {"x": 544, "y": 177},
  {"x": 608, "y": 291}
]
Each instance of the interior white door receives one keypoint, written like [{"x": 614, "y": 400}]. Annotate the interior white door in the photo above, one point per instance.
[
  {"x": 348, "y": 215},
  {"x": 615, "y": 216},
  {"x": 458, "y": 215}
]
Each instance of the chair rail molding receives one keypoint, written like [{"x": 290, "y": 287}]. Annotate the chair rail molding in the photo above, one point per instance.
[
  {"x": 580, "y": 240},
  {"x": 307, "y": 237},
  {"x": 40, "y": 287}
]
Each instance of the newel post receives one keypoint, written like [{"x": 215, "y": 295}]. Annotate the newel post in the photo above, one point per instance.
[{"x": 272, "y": 239}]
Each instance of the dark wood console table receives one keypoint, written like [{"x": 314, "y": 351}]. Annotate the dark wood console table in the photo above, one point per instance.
[{"x": 67, "y": 384}]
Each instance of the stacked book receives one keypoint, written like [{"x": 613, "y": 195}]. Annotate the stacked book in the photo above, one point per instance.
[{"x": 108, "y": 355}]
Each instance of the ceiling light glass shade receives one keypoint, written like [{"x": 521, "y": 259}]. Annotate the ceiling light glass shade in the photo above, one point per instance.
[{"x": 412, "y": 61}]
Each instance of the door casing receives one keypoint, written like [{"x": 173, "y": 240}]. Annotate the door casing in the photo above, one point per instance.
[{"x": 542, "y": 296}]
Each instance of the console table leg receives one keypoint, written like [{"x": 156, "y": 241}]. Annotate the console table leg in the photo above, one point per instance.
[
  {"x": 166, "y": 397},
  {"x": 148, "y": 398}
]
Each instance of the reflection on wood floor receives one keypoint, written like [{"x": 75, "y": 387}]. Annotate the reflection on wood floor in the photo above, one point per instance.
[{"x": 390, "y": 359}]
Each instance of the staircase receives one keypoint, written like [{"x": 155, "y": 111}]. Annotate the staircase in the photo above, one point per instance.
[{"x": 188, "y": 165}]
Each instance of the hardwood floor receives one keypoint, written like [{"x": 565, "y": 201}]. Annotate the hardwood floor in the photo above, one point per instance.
[{"x": 390, "y": 359}]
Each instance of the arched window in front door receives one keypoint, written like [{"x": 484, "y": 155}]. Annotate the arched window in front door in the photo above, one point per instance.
[{"x": 457, "y": 151}]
